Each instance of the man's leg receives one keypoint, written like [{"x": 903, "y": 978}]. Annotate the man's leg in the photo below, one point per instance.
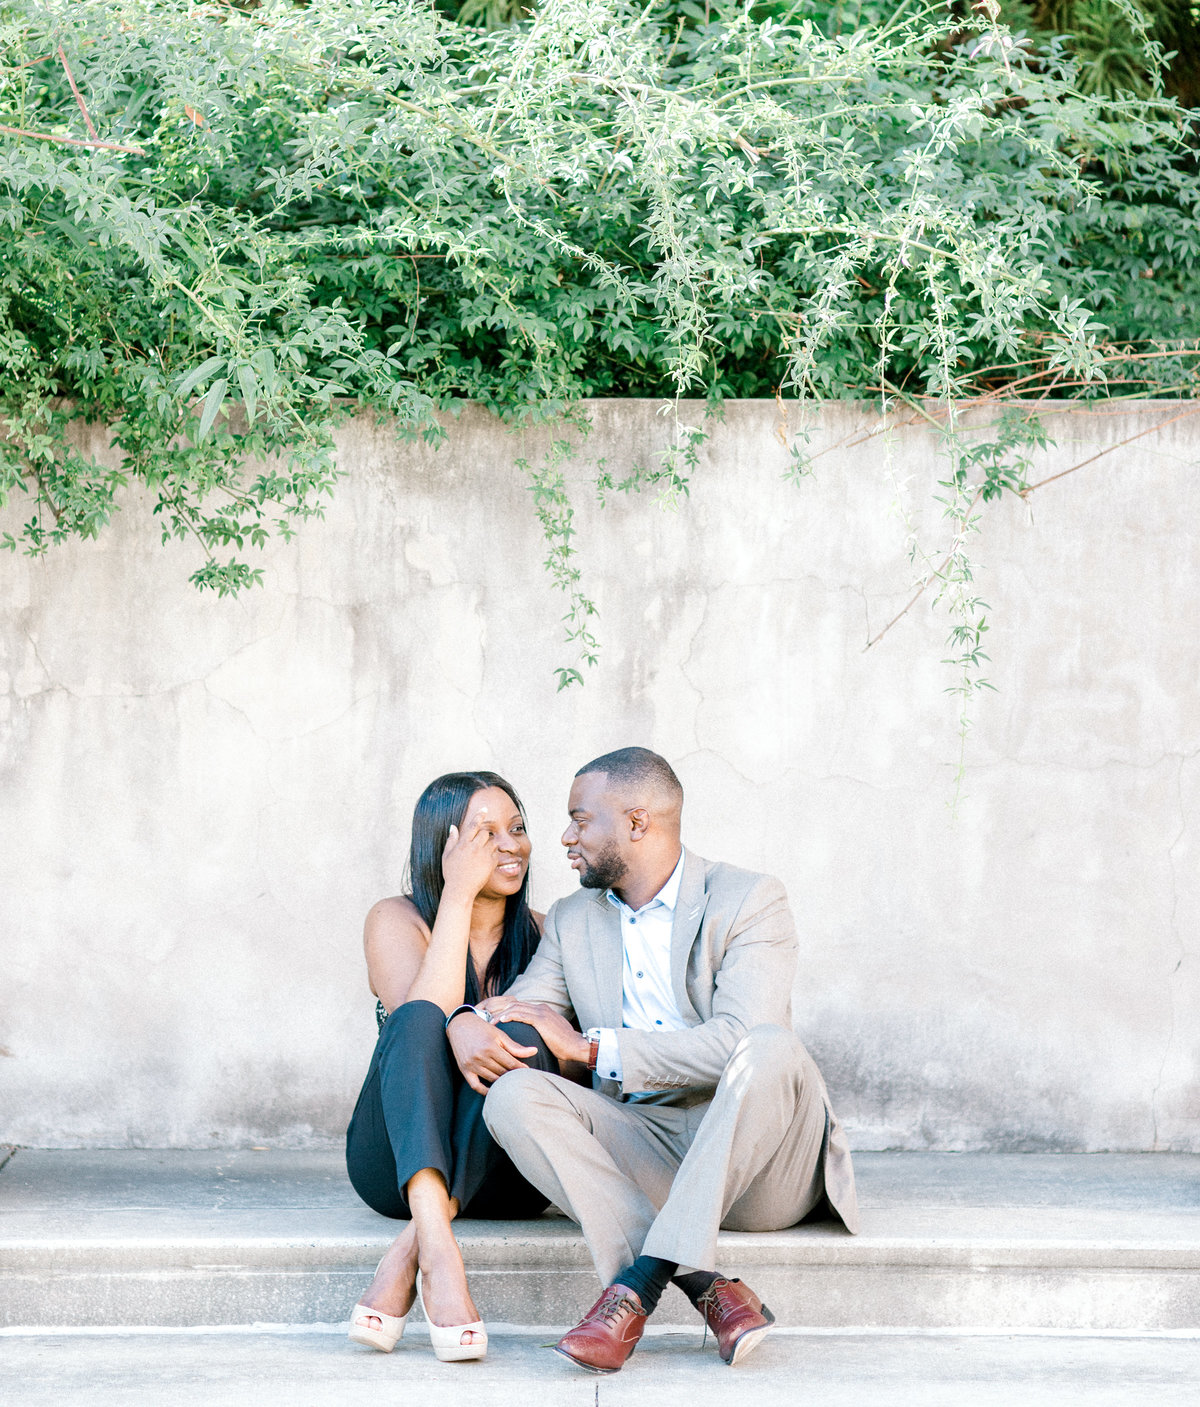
[
  {"x": 609, "y": 1166},
  {"x": 754, "y": 1163}
]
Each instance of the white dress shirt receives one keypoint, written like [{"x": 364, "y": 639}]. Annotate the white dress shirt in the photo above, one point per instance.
[{"x": 647, "y": 1001}]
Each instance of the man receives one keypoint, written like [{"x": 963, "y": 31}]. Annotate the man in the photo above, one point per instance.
[{"x": 705, "y": 1110}]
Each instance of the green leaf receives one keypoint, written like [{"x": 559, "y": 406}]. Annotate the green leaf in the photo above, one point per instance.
[
  {"x": 201, "y": 373},
  {"x": 248, "y": 382},
  {"x": 188, "y": 248},
  {"x": 212, "y": 404}
]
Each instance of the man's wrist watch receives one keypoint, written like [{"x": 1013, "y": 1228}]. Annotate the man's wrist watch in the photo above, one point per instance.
[{"x": 593, "y": 1040}]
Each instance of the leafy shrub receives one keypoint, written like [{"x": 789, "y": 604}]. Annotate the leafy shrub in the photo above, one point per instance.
[{"x": 226, "y": 225}]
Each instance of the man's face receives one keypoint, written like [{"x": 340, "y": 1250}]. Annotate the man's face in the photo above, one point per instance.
[{"x": 597, "y": 834}]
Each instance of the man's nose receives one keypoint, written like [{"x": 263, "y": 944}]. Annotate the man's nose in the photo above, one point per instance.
[{"x": 569, "y": 836}]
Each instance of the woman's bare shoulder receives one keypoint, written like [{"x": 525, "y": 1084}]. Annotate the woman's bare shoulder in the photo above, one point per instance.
[{"x": 395, "y": 915}]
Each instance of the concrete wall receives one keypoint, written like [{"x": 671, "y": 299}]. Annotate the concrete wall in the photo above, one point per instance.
[{"x": 199, "y": 799}]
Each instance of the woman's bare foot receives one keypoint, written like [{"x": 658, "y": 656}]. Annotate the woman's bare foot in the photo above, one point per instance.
[
  {"x": 394, "y": 1287},
  {"x": 447, "y": 1298}
]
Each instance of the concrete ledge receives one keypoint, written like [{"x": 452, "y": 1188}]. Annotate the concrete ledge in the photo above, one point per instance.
[{"x": 288, "y": 1243}]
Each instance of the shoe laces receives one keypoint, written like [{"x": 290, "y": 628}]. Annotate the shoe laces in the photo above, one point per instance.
[
  {"x": 611, "y": 1307},
  {"x": 714, "y": 1298}
]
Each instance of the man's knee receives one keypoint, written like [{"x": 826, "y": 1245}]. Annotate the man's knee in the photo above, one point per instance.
[
  {"x": 769, "y": 1052},
  {"x": 509, "y": 1099}
]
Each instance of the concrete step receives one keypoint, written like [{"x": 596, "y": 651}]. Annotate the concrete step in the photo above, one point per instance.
[
  {"x": 791, "y": 1368},
  {"x": 1013, "y": 1242}
]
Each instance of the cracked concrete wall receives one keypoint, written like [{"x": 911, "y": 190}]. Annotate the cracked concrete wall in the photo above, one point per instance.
[{"x": 199, "y": 799}]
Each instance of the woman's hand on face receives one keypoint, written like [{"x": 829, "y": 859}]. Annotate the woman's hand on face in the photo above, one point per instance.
[
  {"x": 469, "y": 856},
  {"x": 562, "y": 1039}
]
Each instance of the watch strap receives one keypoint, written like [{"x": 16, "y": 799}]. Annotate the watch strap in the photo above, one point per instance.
[{"x": 458, "y": 1011}]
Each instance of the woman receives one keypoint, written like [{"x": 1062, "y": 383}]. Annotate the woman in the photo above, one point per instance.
[{"x": 417, "y": 1146}]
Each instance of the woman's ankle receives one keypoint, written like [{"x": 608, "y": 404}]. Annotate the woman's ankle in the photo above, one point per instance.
[
  {"x": 394, "y": 1288},
  {"x": 444, "y": 1277},
  {"x": 438, "y": 1249}
]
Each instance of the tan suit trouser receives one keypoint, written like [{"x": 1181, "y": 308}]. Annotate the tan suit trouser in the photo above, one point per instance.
[{"x": 660, "y": 1180}]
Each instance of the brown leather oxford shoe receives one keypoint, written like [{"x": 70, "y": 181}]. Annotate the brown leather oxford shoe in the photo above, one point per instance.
[
  {"x": 607, "y": 1334},
  {"x": 736, "y": 1316}
]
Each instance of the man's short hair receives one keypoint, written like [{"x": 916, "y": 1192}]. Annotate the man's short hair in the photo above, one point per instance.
[{"x": 637, "y": 767}]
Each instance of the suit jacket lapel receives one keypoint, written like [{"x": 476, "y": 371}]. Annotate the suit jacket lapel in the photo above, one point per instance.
[
  {"x": 689, "y": 910},
  {"x": 607, "y": 954}
]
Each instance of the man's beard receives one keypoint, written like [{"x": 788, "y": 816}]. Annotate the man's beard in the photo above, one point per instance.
[{"x": 607, "y": 870}]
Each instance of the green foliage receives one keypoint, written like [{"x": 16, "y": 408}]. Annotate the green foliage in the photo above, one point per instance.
[
  {"x": 492, "y": 14},
  {"x": 1120, "y": 45},
  {"x": 227, "y": 225}
]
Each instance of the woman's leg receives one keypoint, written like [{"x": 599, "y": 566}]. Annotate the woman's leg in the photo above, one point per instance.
[
  {"x": 402, "y": 1121},
  {"x": 443, "y": 1276},
  {"x": 393, "y": 1289},
  {"x": 484, "y": 1180},
  {"x": 415, "y": 1119},
  {"x": 401, "y": 1125}
]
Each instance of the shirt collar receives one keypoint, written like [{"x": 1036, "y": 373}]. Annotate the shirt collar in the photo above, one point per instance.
[{"x": 667, "y": 896}]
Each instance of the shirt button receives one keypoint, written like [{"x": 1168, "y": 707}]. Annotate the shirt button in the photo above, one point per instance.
[
  {"x": 658, "y": 1023},
  {"x": 632, "y": 919},
  {"x": 640, "y": 974}
]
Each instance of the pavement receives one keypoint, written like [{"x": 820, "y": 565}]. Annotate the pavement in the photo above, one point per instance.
[{"x": 313, "y": 1369}]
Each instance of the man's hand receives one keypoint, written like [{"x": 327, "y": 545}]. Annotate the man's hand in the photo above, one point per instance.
[
  {"x": 562, "y": 1039},
  {"x": 483, "y": 1053}
]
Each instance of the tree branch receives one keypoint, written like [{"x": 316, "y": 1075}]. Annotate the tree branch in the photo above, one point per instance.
[
  {"x": 78, "y": 95},
  {"x": 1062, "y": 474},
  {"x": 70, "y": 141},
  {"x": 44, "y": 493},
  {"x": 1024, "y": 494},
  {"x": 925, "y": 585}
]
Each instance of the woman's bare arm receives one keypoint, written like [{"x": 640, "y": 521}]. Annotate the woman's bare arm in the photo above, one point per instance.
[
  {"x": 395, "y": 940},
  {"x": 406, "y": 961}
]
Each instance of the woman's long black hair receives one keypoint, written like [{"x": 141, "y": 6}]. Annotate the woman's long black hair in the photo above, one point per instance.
[{"x": 441, "y": 805}]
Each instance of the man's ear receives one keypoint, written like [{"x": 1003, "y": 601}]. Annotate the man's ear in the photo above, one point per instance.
[{"x": 639, "y": 822}]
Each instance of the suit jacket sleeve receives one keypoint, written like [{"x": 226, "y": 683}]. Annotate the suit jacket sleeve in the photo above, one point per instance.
[
  {"x": 543, "y": 980},
  {"x": 753, "y": 987}
]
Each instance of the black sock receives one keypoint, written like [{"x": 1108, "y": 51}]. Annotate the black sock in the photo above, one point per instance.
[
  {"x": 647, "y": 1277},
  {"x": 694, "y": 1283}
]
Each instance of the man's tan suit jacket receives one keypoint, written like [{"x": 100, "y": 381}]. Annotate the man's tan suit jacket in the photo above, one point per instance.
[{"x": 733, "y": 962}]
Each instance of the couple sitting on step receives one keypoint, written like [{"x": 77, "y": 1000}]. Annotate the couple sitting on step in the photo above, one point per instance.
[{"x": 628, "y": 1057}]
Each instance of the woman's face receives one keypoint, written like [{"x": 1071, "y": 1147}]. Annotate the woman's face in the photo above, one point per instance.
[{"x": 505, "y": 822}]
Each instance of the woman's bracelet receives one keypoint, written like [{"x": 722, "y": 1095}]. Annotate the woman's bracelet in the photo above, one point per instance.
[{"x": 466, "y": 1006}]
